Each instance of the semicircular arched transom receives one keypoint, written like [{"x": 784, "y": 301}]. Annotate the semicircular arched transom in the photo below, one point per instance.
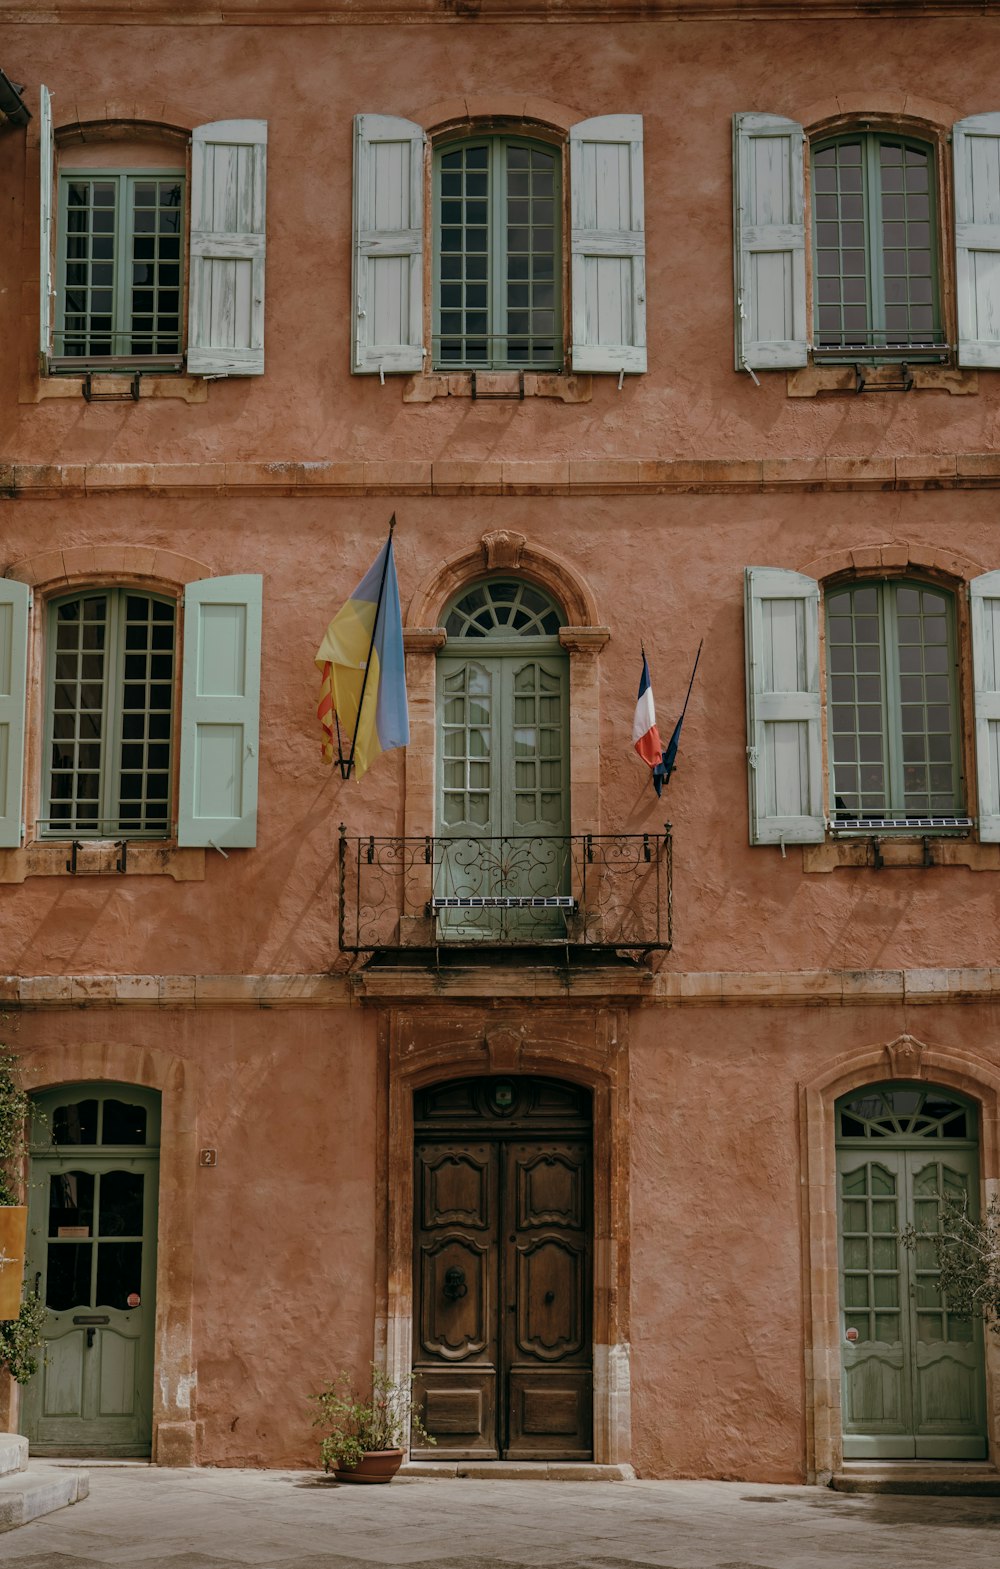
[{"x": 503, "y": 608}]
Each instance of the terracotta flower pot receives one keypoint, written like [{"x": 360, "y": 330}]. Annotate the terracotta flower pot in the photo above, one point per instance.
[{"x": 378, "y": 1465}]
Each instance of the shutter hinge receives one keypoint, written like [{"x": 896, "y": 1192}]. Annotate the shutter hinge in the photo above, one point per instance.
[{"x": 752, "y": 756}]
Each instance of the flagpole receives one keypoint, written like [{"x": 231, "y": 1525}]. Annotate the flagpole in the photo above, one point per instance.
[{"x": 345, "y": 768}]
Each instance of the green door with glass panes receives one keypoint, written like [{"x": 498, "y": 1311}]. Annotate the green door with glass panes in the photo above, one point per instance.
[
  {"x": 92, "y": 1259},
  {"x": 913, "y": 1375},
  {"x": 503, "y": 765}
]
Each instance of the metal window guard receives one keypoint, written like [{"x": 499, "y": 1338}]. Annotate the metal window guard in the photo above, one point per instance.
[
  {"x": 76, "y": 845},
  {"x": 131, "y": 396},
  {"x": 479, "y": 395},
  {"x": 904, "y": 383},
  {"x": 433, "y": 893}
]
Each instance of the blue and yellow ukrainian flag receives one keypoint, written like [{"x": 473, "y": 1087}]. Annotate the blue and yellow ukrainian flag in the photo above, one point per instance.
[{"x": 380, "y": 720}]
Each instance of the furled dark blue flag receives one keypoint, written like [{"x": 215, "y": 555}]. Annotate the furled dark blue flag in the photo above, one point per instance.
[{"x": 664, "y": 768}]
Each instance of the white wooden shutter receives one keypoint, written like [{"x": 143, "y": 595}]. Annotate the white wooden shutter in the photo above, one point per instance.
[
  {"x": 220, "y": 712},
  {"x": 608, "y": 244},
  {"x": 388, "y": 327},
  {"x": 46, "y": 176},
  {"x": 15, "y": 600},
  {"x": 769, "y": 236},
  {"x": 984, "y": 601},
  {"x": 784, "y": 738},
  {"x": 226, "y": 294},
  {"x": 976, "y": 146}
]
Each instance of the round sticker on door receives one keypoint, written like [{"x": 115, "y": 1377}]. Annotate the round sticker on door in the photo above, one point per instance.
[{"x": 132, "y": 1300}]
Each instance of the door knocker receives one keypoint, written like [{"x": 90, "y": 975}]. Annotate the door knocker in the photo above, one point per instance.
[{"x": 454, "y": 1282}]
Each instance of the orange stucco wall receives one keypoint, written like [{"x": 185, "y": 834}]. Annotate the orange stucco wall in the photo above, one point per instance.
[{"x": 287, "y": 1239}]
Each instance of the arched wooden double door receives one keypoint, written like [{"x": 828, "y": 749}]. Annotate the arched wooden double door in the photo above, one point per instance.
[{"x": 502, "y": 1269}]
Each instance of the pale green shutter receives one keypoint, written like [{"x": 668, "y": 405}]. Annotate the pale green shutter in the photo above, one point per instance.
[
  {"x": 976, "y": 145},
  {"x": 388, "y": 326},
  {"x": 608, "y": 244},
  {"x": 47, "y": 174},
  {"x": 15, "y": 600},
  {"x": 769, "y": 237},
  {"x": 784, "y": 739},
  {"x": 220, "y": 712},
  {"x": 984, "y": 601},
  {"x": 226, "y": 303}
]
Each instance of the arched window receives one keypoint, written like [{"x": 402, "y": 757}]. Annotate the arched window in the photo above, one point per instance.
[
  {"x": 892, "y": 684},
  {"x": 875, "y": 273},
  {"x": 497, "y": 255},
  {"x": 109, "y": 714}
]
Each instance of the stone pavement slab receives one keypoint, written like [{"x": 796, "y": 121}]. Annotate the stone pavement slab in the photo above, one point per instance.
[{"x": 144, "y": 1518}]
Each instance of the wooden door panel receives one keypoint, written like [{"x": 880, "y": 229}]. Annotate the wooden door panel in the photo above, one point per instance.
[
  {"x": 456, "y": 1189},
  {"x": 458, "y": 1305},
  {"x": 547, "y": 1290},
  {"x": 947, "y": 1373},
  {"x": 551, "y": 1190},
  {"x": 458, "y": 1408},
  {"x": 550, "y": 1414},
  {"x": 551, "y": 1311},
  {"x": 456, "y": 1277},
  {"x": 117, "y": 1386},
  {"x": 62, "y": 1375}
]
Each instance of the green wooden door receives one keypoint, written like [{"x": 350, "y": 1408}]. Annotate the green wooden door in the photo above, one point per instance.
[
  {"x": 503, "y": 766},
  {"x": 92, "y": 1257},
  {"x": 913, "y": 1378},
  {"x": 503, "y": 802}
]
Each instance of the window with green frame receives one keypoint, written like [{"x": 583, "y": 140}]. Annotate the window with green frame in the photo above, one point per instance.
[
  {"x": 119, "y": 273},
  {"x": 892, "y": 689},
  {"x": 497, "y": 255},
  {"x": 875, "y": 247},
  {"x": 109, "y": 715}
]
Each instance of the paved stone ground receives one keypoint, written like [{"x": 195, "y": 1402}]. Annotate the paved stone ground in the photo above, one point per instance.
[{"x": 151, "y": 1519}]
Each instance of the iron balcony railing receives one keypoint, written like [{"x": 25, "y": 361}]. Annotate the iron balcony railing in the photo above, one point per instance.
[{"x": 571, "y": 891}]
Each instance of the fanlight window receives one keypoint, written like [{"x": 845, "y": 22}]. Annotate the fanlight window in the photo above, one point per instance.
[
  {"x": 905, "y": 1111},
  {"x": 504, "y": 608}
]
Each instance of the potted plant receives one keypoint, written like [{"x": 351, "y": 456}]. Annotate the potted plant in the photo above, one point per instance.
[
  {"x": 365, "y": 1437},
  {"x": 20, "y": 1321}
]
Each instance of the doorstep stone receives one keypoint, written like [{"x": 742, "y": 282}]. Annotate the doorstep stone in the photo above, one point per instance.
[
  {"x": 944, "y": 1479},
  {"x": 13, "y": 1453},
  {"x": 26, "y": 1495},
  {"x": 518, "y": 1470}
]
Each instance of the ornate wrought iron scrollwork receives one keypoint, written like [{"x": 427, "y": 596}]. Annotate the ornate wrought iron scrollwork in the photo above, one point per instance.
[{"x": 566, "y": 891}]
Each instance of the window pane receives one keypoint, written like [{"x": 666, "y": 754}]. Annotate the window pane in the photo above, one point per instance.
[
  {"x": 88, "y": 246},
  {"x": 857, "y": 719},
  {"x": 114, "y": 671},
  {"x": 927, "y": 725},
  {"x": 154, "y": 325},
  {"x": 874, "y": 289},
  {"x": 119, "y": 1273},
  {"x": 122, "y": 1123},
  {"x": 75, "y": 1124},
  {"x": 496, "y": 256}
]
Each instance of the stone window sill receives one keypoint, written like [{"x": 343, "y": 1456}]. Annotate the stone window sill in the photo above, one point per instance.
[
  {"x": 860, "y": 852},
  {"x": 813, "y": 380},
  {"x": 98, "y": 858},
  {"x": 190, "y": 389},
  {"x": 498, "y": 386}
]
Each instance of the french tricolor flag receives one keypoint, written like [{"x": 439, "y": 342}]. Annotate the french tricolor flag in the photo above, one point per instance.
[{"x": 645, "y": 736}]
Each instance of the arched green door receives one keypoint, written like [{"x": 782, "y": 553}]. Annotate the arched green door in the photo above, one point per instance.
[
  {"x": 92, "y": 1258},
  {"x": 503, "y": 762},
  {"x": 913, "y": 1379}
]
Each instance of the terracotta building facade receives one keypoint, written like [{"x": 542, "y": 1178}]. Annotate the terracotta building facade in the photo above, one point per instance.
[{"x": 598, "y": 1111}]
